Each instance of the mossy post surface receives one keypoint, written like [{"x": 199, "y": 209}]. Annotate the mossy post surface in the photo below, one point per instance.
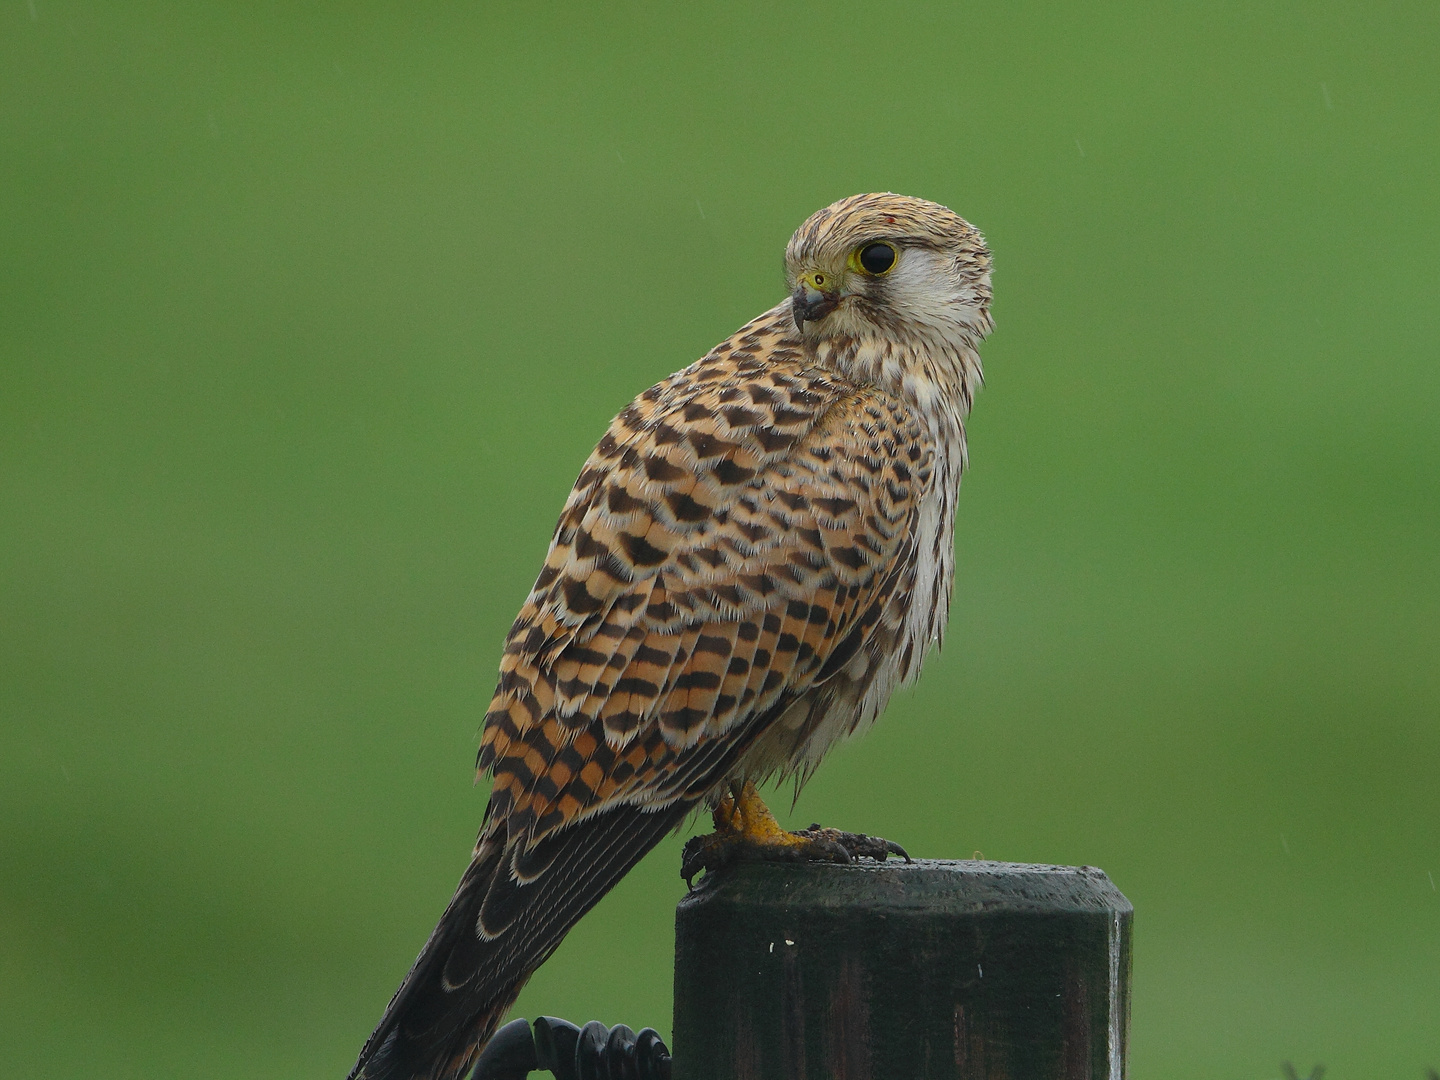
[{"x": 922, "y": 971}]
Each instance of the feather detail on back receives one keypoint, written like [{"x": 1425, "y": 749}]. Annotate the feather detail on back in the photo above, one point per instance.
[{"x": 737, "y": 525}]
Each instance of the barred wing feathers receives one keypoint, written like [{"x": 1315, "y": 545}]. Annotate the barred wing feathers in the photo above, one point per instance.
[{"x": 741, "y": 538}]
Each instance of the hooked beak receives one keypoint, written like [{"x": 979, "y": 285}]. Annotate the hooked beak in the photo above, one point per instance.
[{"x": 809, "y": 304}]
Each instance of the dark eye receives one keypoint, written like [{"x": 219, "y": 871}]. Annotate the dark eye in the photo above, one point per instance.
[{"x": 877, "y": 258}]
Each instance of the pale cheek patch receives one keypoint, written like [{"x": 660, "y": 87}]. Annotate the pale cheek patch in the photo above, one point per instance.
[{"x": 925, "y": 288}]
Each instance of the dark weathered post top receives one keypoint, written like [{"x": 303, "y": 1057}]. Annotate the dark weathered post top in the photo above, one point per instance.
[{"x": 970, "y": 970}]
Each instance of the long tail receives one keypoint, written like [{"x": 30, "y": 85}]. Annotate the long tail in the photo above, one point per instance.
[{"x": 509, "y": 913}]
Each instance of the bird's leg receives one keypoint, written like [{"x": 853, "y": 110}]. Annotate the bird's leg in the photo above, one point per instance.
[{"x": 745, "y": 829}]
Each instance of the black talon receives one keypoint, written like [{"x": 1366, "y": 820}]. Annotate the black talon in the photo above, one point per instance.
[
  {"x": 717, "y": 850},
  {"x": 855, "y": 845},
  {"x": 693, "y": 859}
]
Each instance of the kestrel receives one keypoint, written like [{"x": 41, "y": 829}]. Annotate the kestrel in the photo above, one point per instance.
[{"x": 755, "y": 556}]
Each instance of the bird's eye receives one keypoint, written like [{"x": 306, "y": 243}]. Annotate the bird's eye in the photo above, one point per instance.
[
  {"x": 819, "y": 280},
  {"x": 877, "y": 258}
]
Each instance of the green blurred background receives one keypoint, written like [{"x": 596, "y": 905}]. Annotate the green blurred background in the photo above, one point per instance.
[{"x": 309, "y": 314}]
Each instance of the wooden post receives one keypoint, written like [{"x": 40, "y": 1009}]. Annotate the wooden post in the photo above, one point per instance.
[{"x": 911, "y": 971}]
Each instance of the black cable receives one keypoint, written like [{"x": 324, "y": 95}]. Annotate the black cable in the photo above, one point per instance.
[{"x": 593, "y": 1052}]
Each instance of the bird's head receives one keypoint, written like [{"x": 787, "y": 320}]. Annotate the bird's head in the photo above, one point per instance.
[{"x": 889, "y": 266}]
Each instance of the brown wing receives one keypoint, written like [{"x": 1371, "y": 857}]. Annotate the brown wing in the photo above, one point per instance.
[
  {"x": 734, "y": 541},
  {"x": 734, "y": 528}
]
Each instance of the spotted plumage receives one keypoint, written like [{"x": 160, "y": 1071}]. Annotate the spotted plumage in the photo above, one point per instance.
[{"x": 757, "y": 553}]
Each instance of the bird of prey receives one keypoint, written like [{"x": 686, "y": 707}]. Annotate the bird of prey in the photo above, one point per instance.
[{"x": 755, "y": 556}]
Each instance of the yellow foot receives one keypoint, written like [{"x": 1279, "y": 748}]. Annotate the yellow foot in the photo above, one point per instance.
[{"x": 745, "y": 829}]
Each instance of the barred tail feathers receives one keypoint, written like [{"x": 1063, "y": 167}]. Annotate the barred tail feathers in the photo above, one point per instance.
[{"x": 509, "y": 913}]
